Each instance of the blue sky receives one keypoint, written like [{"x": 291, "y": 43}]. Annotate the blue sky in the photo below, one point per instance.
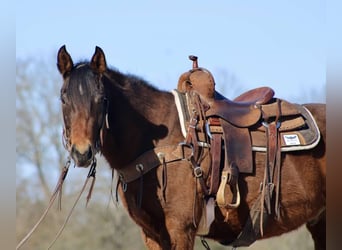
[{"x": 280, "y": 44}]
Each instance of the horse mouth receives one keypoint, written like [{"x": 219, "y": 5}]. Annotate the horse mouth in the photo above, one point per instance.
[
  {"x": 82, "y": 163},
  {"x": 82, "y": 159}
]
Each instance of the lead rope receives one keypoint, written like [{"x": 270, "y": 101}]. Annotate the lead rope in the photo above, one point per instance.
[
  {"x": 92, "y": 172},
  {"x": 164, "y": 176},
  {"x": 58, "y": 190}
]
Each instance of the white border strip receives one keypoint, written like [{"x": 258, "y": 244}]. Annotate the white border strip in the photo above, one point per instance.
[{"x": 180, "y": 112}]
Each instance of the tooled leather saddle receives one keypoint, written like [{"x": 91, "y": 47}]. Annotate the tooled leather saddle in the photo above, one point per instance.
[{"x": 233, "y": 129}]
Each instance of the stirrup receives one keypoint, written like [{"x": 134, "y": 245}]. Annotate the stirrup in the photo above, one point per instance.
[{"x": 222, "y": 191}]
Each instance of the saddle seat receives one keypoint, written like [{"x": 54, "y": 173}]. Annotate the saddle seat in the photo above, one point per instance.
[
  {"x": 243, "y": 111},
  {"x": 257, "y": 96}
]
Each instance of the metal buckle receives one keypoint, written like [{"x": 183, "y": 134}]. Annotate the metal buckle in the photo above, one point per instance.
[{"x": 198, "y": 172}]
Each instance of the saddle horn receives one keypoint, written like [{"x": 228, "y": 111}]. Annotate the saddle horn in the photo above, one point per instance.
[{"x": 194, "y": 61}]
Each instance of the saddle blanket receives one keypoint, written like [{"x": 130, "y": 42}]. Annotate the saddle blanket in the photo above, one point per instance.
[{"x": 296, "y": 133}]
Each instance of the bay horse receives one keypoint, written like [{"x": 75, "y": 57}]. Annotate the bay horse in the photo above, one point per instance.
[{"x": 135, "y": 125}]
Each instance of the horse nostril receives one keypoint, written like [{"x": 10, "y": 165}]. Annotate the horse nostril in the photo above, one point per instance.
[{"x": 73, "y": 149}]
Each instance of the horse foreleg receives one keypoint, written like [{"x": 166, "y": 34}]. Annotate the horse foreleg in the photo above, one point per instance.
[
  {"x": 181, "y": 236},
  {"x": 151, "y": 243},
  {"x": 317, "y": 229},
  {"x": 156, "y": 241},
  {"x": 179, "y": 240}
]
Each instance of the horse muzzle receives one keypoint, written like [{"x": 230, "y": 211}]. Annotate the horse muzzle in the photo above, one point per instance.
[{"x": 83, "y": 157}]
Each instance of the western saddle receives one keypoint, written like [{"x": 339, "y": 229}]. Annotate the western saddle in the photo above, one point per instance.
[{"x": 232, "y": 130}]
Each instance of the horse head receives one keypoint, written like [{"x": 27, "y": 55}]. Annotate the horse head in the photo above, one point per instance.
[{"x": 83, "y": 105}]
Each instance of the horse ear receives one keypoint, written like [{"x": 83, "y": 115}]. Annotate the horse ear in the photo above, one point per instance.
[
  {"x": 98, "y": 61},
  {"x": 64, "y": 61}
]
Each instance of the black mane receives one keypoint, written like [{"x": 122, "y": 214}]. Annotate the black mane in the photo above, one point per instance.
[
  {"x": 130, "y": 81},
  {"x": 136, "y": 89},
  {"x": 82, "y": 85}
]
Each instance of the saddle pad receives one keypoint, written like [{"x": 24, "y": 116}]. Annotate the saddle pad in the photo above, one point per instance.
[
  {"x": 302, "y": 133},
  {"x": 304, "y": 136}
]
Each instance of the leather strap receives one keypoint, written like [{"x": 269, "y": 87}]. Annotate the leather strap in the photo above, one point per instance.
[
  {"x": 251, "y": 230},
  {"x": 272, "y": 140},
  {"x": 216, "y": 148},
  {"x": 272, "y": 109},
  {"x": 152, "y": 159},
  {"x": 238, "y": 146}
]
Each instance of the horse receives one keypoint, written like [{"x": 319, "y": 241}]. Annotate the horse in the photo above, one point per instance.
[{"x": 136, "y": 127}]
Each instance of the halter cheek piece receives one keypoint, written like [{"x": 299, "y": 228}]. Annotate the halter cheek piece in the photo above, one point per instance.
[{"x": 105, "y": 122}]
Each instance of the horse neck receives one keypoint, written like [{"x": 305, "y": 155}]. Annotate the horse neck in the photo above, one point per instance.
[{"x": 138, "y": 119}]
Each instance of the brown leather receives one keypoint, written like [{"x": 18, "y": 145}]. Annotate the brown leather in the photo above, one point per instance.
[
  {"x": 152, "y": 159},
  {"x": 243, "y": 114},
  {"x": 238, "y": 148},
  {"x": 255, "y": 120},
  {"x": 287, "y": 124},
  {"x": 300, "y": 125},
  {"x": 238, "y": 114},
  {"x": 194, "y": 61},
  {"x": 183, "y": 83},
  {"x": 257, "y": 96},
  {"x": 203, "y": 82},
  {"x": 287, "y": 109},
  {"x": 272, "y": 147},
  {"x": 199, "y": 79},
  {"x": 216, "y": 149}
]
